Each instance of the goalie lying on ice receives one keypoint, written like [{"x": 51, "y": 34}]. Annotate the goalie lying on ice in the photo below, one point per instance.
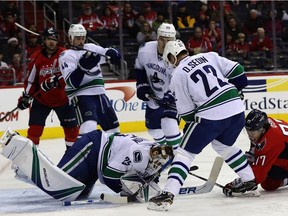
[{"x": 96, "y": 155}]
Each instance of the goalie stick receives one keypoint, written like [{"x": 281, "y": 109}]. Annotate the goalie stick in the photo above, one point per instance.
[{"x": 205, "y": 188}]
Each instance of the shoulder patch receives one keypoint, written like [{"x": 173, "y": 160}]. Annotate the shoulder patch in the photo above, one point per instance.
[{"x": 137, "y": 156}]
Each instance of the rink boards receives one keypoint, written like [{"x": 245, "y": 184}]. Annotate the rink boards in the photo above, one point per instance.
[{"x": 267, "y": 93}]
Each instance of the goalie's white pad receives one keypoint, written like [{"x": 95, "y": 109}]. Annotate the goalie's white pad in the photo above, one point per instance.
[{"x": 38, "y": 168}]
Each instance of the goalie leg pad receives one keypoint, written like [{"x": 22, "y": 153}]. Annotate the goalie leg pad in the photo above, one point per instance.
[{"x": 39, "y": 169}]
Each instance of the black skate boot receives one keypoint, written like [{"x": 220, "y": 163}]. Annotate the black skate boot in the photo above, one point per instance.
[{"x": 160, "y": 202}]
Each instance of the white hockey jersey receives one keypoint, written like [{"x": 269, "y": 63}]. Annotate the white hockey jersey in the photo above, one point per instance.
[
  {"x": 201, "y": 87},
  {"x": 157, "y": 71},
  {"x": 91, "y": 84},
  {"x": 122, "y": 153}
]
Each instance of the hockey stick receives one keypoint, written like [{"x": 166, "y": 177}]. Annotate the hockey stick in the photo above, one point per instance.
[
  {"x": 76, "y": 47},
  {"x": 210, "y": 182},
  {"x": 254, "y": 193},
  {"x": 202, "y": 178},
  {"x": 8, "y": 113},
  {"x": 132, "y": 197},
  {"x": 205, "y": 188}
]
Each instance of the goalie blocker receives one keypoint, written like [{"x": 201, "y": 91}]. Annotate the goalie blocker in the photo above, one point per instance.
[{"x": 38, "y": 168}]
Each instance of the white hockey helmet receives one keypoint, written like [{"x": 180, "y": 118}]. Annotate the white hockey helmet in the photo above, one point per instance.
[
  {"x": 173, "y": 48},
  {"x": 76, "y": 30},
  {"x": 166, "y": 30}
]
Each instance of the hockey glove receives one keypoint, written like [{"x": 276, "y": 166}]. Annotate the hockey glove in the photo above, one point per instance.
[
  {"x": 88, "y": 61},
  {"x": 24, "y": 101},
  {"x": 143, "y": 90},
  {"x": 50, "y": 83},
  {"x": 159, "y": 155},
  {"x": 250, "y": 157},
  {"x": 168, "y": 101},
  {"x": 113, "y": 55}
]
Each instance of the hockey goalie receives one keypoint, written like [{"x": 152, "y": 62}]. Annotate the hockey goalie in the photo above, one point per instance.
[{"x": 120, "y": 161}]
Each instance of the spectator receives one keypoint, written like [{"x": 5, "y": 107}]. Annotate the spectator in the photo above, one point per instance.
[
  {"x": 89, "y": 19},
  {"x": 261, "y": 42},
  {"x": 149, "y": 13},
  {"x": 184, "y": 19},
  {"x": 11, "y": 8},
  {"x": 253, "y": 22},
  {"x": 230, "y": 45},
  {"x": 139, "y": 22},
  {"x": 213, "y": 33},
  {"x": 146, "y": 34},
  {"x": 198, "y": 43},
  {"x": 2, "y": 63},
  {"x": 109, "y": 20},
  {"x": 18, "y": 67},
  {"x": 159, "y": 20},
  {"x": 32, "y": 45},
  {"x": 8, "y": 26},
  {"x": 242, "y": 47},
  {"x": 13, "y": 47},
  {"x": 233, "y": 28},
  {"x": 129, "y": 19},
  {"x": 268, "y": 24}
]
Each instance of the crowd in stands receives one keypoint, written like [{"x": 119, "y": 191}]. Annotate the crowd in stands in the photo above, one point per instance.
[{"x": 248, "y": 29}]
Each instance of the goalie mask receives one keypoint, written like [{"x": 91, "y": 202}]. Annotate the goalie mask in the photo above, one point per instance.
[
  {"x": 76, "y": 30},
  {"x": 173, "y": 48}
]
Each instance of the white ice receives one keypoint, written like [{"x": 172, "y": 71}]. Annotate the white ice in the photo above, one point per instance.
[{"x": 19, "y": 198}]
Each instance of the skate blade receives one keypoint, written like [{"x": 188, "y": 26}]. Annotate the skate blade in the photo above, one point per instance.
[
  {"x": 254, "y": 193},
  {"x": 155, "y": 207}
]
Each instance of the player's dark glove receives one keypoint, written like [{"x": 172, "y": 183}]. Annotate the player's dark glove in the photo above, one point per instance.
[
  {"x": 113, "y": 55},
  {"x": 143, "y": 90},
  {"x": 241, "y": 95},
  {"x": 24, "y": 101},
  {"x": 88, "y": 61},
  {"x": 250, "y": 157},
  {"x": 168, "y": 101},
  {"x": 50, "y": 83}
]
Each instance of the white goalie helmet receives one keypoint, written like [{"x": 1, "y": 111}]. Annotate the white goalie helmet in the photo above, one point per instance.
[
  {"x": 166, "y": 30},
  {"x": 76, "y": 30},
  {"x": 173, "y": 48}
]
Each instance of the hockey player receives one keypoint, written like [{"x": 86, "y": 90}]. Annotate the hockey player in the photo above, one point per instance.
[
  {"x": 206, "y": 89},
  {"x": 84, "y": 81},
  {"x": 268, "y": 153},
  {"x": 96, "y": 155},
  {"x": 153, "y": 79},
  {"x": 46, "y": 85}
]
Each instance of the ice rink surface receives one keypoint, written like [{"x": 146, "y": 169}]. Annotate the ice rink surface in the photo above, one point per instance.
[{"x": 19, "y": 198}]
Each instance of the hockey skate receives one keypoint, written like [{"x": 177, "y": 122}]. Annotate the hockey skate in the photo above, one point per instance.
[
  {"x": 240, "y": 188},
  {"x": 160, "y": 202}
]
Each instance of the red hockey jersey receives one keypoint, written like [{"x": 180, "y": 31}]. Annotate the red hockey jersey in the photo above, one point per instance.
[
  {"x": 272, "y": 149},
  {"x": 41, "y": 68}
]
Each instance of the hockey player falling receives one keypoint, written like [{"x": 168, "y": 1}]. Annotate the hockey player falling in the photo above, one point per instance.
[{"x": 96, "y": 155}]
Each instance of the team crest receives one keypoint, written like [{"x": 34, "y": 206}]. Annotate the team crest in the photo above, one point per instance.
[
  {"x": 260, "y": 146},
  {"x": 137, "y": 156}
]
